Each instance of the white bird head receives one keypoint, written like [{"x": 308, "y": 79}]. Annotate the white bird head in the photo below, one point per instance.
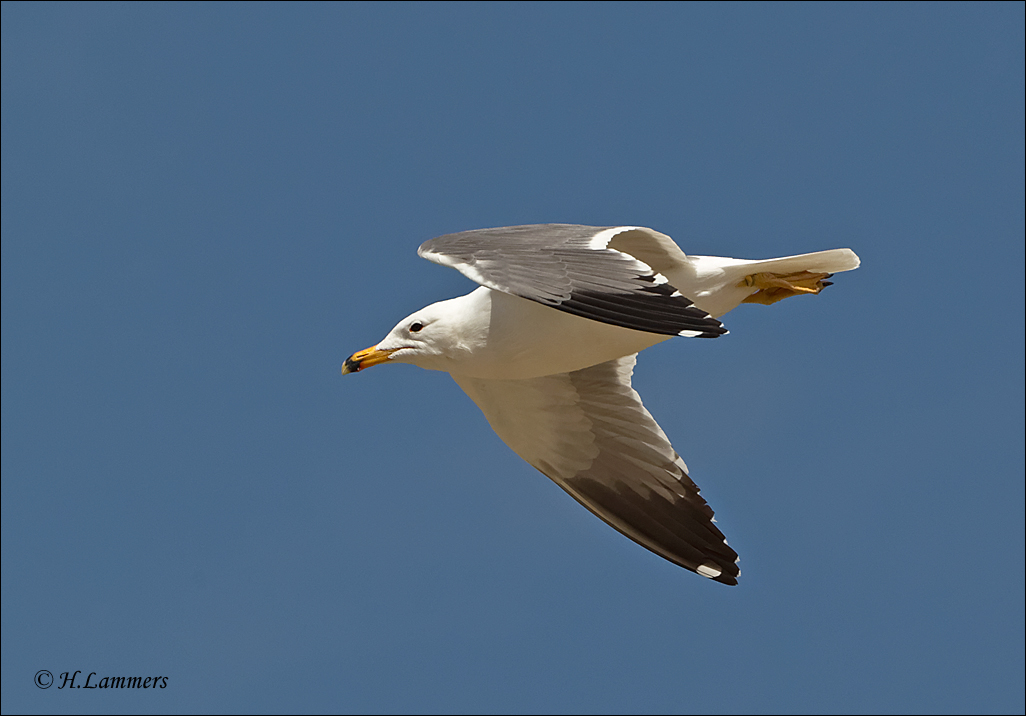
[{"x": 435, "y": 337}]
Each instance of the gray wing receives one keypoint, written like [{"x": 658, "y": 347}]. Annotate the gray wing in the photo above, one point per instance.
[
  {"x": 590, "y": 433},
  {"x": 571, "y": 268}
]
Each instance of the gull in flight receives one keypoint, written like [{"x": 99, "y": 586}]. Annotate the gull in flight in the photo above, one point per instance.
[{"x": 546, "y": 347}]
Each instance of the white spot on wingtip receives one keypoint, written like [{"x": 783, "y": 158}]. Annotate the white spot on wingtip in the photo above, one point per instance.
[{"x": 709, "y": 570}]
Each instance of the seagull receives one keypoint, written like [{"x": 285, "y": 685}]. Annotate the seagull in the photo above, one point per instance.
[{"x": 546, "y": 347}]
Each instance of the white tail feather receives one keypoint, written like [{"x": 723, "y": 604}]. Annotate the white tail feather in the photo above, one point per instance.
[{"x": 712, "y": 281}]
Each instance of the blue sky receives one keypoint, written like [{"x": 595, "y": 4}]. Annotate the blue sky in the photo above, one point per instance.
[{"x": 206, "y": 208}]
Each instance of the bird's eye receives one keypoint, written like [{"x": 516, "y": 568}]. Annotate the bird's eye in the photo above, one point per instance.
[{"x": 416, "y": 327}]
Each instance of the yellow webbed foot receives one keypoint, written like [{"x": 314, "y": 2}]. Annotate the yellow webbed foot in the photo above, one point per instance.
[{"x": 776, "y": 287}]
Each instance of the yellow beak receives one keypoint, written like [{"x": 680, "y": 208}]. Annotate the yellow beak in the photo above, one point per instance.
[{"x": 365, "y": 359}]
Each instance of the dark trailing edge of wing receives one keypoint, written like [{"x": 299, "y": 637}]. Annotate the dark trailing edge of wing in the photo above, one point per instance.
[
  {"x": 680, "y": 531},
  {"x": 639, "y": 312}
]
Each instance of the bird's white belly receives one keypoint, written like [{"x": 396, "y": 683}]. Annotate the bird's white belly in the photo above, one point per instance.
[{"x": 526, "y": 339}]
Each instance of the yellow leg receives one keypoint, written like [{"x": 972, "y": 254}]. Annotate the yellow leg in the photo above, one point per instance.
[{"x": 774, "y": 287}]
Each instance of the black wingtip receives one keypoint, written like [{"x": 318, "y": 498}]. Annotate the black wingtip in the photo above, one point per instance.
[{"x": 713, "y": 335}]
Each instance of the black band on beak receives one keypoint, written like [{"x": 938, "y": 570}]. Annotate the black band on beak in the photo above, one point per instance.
[{"x": 351, "y": 366}]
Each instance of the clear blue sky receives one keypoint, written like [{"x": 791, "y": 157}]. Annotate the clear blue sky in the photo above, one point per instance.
[{"x": 206, "y": 208}]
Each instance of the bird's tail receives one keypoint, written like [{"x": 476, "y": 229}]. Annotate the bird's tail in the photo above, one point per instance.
[
  {"x": 718, "y": 285},
  {"x": 832, "y": 261}
]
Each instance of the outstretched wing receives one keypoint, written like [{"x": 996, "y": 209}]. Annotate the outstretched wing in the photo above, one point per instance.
[
  {"x": 571, "y": 268},
  {"x": 590, "y": 433}
]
